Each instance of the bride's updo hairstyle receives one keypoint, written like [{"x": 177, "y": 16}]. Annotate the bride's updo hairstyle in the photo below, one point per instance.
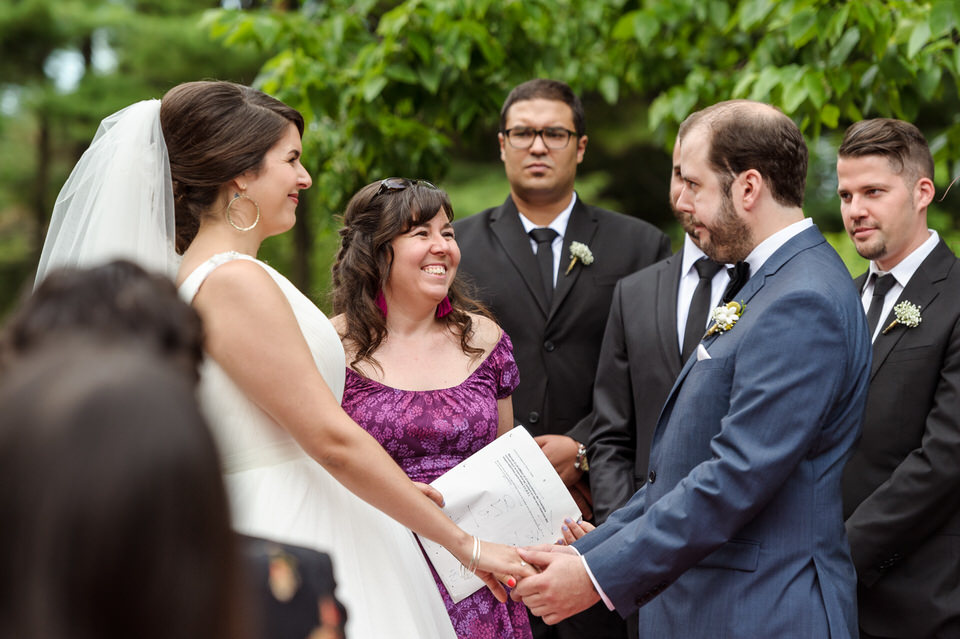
[
  {"x": 215, "y": 131},
  {"x": 374, "y": 216}
]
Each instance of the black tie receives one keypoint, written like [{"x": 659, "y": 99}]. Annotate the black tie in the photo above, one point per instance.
[
  {"x": 544, "y": 239},
  {"x": 881, "y": 286},
  {"x": 699, "y": 306},
  {"x": 739, "y": 274}
]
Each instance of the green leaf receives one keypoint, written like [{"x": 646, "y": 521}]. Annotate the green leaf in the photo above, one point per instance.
[
  {"x": 928, "y": 81},
  {"x": 918, "y": 37},
  {"x": 866, "y": 80},
  {"x": 763, "y": 87},
  {"x": 430, "y": 77},
  {"x": 719, "y": 13},
  {"x": 743, "y": 83},
  {"x": 623, "y": 29},
  {"x": 840, "y": 53},
  {"x": 401, "y": 73},
  {"x": 372, "y": 87},
  {"x": 943, "y": 17},
  {"x": 802, "y": 27},
  {"x": 813, "y": 82},
  {"x": 645, "y": 28},
  {"x": 794, "y": 93},
  {"x": 609, "y": 88},
  {"x": 753, "y": 12},
  {"x": 830, "y": 115}
]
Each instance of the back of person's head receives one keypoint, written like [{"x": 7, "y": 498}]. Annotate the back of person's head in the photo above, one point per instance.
[
  {"x": 215, "y": 131},
  {"x": 115, "y": 518},
  {"x": 544, "y": 89},
  {"x": 375, "y": 215},
  {"x": 900, "y": 142},
  {"x": 750, "y": 135},
  {"x": 113, "y": 302}
]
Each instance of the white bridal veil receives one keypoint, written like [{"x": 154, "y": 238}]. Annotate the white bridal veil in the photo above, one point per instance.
[{"x": 118, "y": 201}]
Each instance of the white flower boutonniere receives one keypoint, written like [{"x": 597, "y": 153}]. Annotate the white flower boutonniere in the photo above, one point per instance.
[
  {"x": 908, "y": 314},
  {"x": 579, "y": 251},
  {"x": 724, "y": 317}
]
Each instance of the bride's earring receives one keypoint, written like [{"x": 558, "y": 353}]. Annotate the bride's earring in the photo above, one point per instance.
[{"x": 238, "y": 196}]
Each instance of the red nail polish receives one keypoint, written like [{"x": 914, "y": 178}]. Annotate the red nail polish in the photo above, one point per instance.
[{"x": 512, "y": 582}]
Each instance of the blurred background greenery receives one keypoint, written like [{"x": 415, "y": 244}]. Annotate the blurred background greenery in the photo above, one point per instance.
[{"x": 414, "y": 87}]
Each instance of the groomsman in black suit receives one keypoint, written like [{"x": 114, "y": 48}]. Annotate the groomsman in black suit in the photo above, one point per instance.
[
  {"x": 901, "y": 488},
  {"x": 546, "y": 263},
  {"x": 656, "y": 320}
]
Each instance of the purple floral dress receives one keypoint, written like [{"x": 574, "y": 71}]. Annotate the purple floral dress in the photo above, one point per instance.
[{"x": 430, "y": 432}]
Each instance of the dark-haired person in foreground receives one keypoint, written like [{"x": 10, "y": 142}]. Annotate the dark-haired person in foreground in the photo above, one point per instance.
[
  {"x": 120, "y": 306},
  {"x": 738, "y": 531},
  {"x": 901, "y": 489},
  {"x": 115, "y": 517}
]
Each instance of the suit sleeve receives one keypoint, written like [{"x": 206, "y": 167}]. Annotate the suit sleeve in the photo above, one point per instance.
[
  {"x": 924, "y": 490},
  {"x": 776, "y": 418},
  {"x": 612, "y": 443}
]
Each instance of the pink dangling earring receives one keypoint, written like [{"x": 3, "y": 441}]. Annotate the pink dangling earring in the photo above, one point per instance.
[
  {"x": 444, "y": 307},
  {"x": 381, "y": 302}
]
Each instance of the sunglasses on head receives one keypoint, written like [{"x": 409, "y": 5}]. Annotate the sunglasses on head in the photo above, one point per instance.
[{"x": 390, "y": 184}]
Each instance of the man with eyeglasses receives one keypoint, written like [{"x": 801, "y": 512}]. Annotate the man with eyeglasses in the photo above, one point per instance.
[{"x": 546, "y": 263}]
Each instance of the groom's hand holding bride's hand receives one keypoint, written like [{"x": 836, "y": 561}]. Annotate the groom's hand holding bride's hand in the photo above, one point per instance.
[{"x": 562, "y": 588}]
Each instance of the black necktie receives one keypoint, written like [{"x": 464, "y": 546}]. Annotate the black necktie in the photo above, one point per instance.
[
  {"x": 544, "y": 239},
  {"x": 881, "y": 286},
  {"x": 739, "y": 274},
  {"x": 699, "y": 306}
]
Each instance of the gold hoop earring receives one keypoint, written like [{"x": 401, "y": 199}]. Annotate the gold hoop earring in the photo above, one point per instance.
[{"x": 237, "y": 196}]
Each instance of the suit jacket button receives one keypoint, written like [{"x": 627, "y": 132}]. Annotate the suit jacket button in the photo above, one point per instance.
[
  {"x": 652, "y": 477},
  {"x": 534, "y": 417},
  {"x": 548, "y": 346}
]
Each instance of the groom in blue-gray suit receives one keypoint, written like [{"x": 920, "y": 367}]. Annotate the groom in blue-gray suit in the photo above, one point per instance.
[{"x": 739, "y": 530}]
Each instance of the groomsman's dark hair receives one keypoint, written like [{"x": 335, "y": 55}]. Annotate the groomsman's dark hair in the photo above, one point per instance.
[
  {"x": 544, "y": 89},
  {"x": 745, "y": 137},
  {"x": 900, "y": 142}
]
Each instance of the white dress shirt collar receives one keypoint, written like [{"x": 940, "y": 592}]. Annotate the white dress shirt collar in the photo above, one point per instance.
[
  {"x": 905, "y": 269},
  {"x": 762, "y": 251}
]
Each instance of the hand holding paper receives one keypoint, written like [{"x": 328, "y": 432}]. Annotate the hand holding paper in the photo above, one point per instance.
[{"x": 507, "y": 492}]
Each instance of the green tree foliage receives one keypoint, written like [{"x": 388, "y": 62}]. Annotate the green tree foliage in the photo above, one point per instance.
[
  {"x": 390, "y": 87},
  {"x": 144, "y": 48}
]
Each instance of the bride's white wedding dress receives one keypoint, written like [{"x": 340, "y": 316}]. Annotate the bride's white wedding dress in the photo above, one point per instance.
[{"x": 277, "y": 491}]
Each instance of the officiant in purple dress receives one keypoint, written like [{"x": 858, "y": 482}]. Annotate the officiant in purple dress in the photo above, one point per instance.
[{"x": 429, "y": 373}]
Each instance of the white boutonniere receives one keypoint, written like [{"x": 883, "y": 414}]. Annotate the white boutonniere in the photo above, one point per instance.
[
  {"x": 908, "y": 314},
  {"x": 579, "y": 251},
  {"x": 724, "y": 317}
]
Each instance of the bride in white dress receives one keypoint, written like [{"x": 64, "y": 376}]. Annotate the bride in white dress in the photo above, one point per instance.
[{"x": 272, "y": 383}]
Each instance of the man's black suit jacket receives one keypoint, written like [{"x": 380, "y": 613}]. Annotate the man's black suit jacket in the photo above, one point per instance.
[
  {"x": 639, "y": 362},
  {"x": 901, "y": 488},
  {"x": 556, "y": 347}
]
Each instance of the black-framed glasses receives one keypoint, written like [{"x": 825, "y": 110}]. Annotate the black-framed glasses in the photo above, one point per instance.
[
  {"x": 554, "y": 137},
  {"x": 390, "y": 184}
]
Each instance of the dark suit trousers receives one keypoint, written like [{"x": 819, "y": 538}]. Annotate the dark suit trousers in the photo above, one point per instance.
[{"x": 596, "y": 622}]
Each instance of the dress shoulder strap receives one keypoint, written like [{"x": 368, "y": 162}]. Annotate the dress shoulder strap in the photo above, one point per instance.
[{"x": 188, "y": 289}]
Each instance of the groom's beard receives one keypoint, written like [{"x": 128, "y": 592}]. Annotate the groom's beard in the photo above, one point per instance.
[{"x": 728, "y": 239}]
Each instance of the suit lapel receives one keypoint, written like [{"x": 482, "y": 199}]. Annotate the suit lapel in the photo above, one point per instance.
[
  {"x": 804, "y": 240},
  {"x": 668, "y": 285},
  {"x": 921, "y": 290},
  {"x": 581, "y": 228},
  {"x": 506, "y": 226}
]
